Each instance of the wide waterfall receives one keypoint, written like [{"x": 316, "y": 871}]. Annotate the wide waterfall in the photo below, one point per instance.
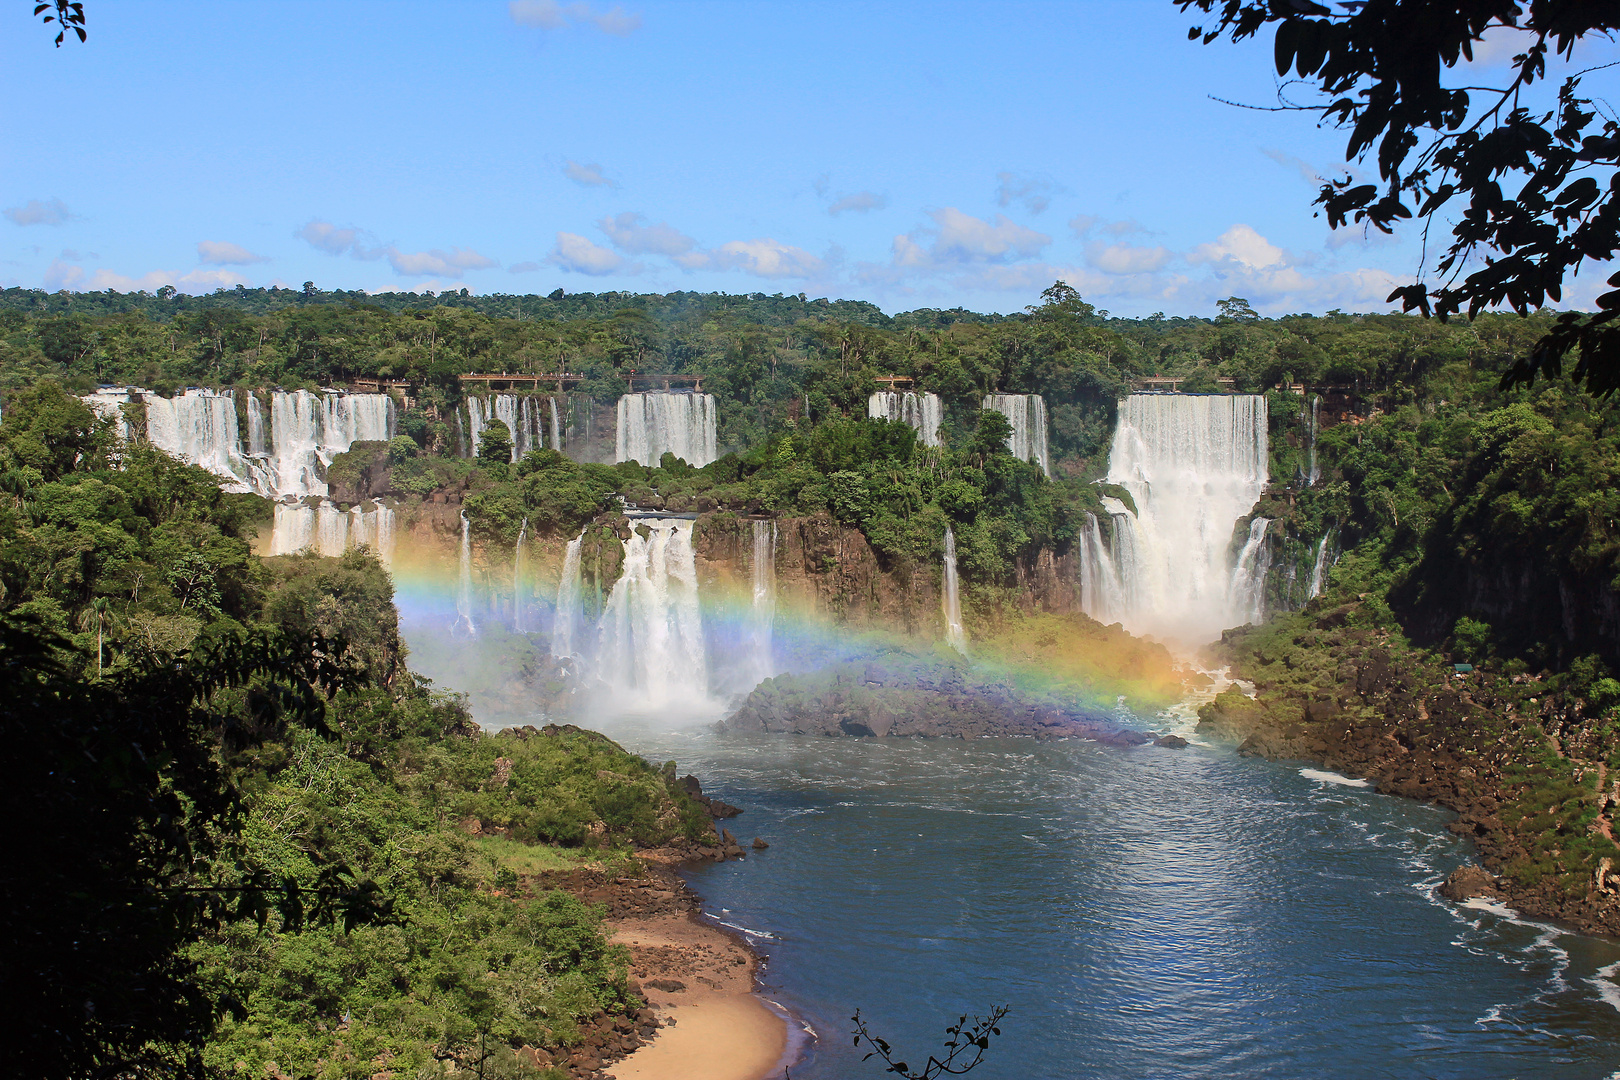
[
  {"x": 955, "y": 636},
  {"x": 922, "y": 411},
  {"x": 464, "y": 589},
  {"x": 326, "y": 530},
  {"x": 569, "y": 600},
  {"x": 763, "y": 620},
  {"x": 1194, "y": 465},
  {"x": 650, "y": 653},
  {"x": 677, "y": 422},
  {"x": 200, "y": 426},
  {"x": 1027, "y": 414},
  {"x": 308, "y": 430}
]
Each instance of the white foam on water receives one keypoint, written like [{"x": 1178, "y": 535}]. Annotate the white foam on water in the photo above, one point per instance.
[
  {"x": 765, "y": 934},
  {"x": 1603, "y": 980},
  {"x": 1325, "y": 777}
]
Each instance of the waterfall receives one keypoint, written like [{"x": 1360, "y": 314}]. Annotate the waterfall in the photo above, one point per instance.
[
  {"x": 568, "y": 612},
  {"x": 1027, "y": 414},
  {"x": 306, "y": 432},
  {"x": 478, "y": 415},
  {"x": 461, "y": 436},
  {"x": 651, "y": 644},
  {"x": 677, "y": 422},
  {"x": 258, "y": 446},
  {"x": 954, "y": 635},
  {"x": 1319, "y": 567},
  {"x": 1101, "y": 596},
  {"x": 1248, "y": 586},
  {"x": 1194, "y": 465},
  {"x": 199, "y": 426},
  {"x": 1309, "y": 475},
  {"x": 556, "y": 428},
  {"x": 922, "y": 411},
  {"x": 517, "y": 577},
  {"x": 464, "y": 597},
  {"x": 293, "y": 529},
  {"x": 764, "y": 611},
  {"x": 331, "y": 530}
]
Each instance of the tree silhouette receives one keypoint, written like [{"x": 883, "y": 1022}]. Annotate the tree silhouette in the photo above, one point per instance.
[{"x": 1534, "y": 186}]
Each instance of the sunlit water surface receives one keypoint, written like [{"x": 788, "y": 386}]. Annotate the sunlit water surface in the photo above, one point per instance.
[{"x": 1146, "y": 912}]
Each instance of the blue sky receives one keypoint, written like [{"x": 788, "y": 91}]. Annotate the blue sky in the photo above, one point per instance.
[{"x": 914, "y": 155}]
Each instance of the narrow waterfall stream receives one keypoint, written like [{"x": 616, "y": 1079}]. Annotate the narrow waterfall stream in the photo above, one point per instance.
[
  {"x": 955, "y": 636},
  {"x": 568, "y": 611},
  {"x": 519, "y": 558},
  {"x": 464, "y": 590},
  {"x": 764, "y": 611}
]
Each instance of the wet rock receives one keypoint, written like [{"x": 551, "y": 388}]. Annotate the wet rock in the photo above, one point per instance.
[
  {"x": 1174, "y": 742},
  {"x": 759, "y": 845},
  {"x": 1467, "y": 882}
]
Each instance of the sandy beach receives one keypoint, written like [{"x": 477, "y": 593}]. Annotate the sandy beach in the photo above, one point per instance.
[{"x": 699, "y": 980}]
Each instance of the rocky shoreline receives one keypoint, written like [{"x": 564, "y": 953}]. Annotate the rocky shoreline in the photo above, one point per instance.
[{"x": 1525, "y": 771}]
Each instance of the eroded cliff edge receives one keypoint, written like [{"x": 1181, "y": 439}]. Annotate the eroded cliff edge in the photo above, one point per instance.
[{"x": 1527, "y": 765}]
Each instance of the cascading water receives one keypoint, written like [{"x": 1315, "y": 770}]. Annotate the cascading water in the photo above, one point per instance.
[
  {"x": 108, "y": 404},
  {"x": 1248, "y": 587},
  {"x": 922, "y": 411},
  {"x": 1100, "y": 594},
  {"x": 650, "y": 652},
  {"x": 519, "y": 557},
  {"x": 1319, "y": 567},
  {"x": 569, "y": 601},
  {"x": 1194, "y": 465},
  {"x": 764, "y": 610},
  {"x": 676, "y": 422},
  {"x": 258, "y": 446},
  {"x": 199, "y": 426},
  {"x": 464, "y": 598},
  {"x": 952, "y": 600},
  {"x": 1309, "y": 419},
  {"x": 556, "y": 428},
  {"x": 1027, "y": 414}
]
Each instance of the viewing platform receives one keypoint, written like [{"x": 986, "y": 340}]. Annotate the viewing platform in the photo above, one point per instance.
[
  {"x": 693, "y": 383},
  {"x": 513, "y": 380},
  {"x": 365, "y": 384},
  {"x": 895, "y": 382},
  {"x": 1172, "y": 383}
]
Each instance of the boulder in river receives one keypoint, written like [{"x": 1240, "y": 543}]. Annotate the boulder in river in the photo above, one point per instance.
[{"x": 1468, "y": 882}]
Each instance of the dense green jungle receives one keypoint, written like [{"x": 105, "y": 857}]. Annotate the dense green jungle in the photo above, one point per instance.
[{"x": 267, "y": 866}]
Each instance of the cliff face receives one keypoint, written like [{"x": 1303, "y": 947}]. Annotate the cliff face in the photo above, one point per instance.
[{"x": 829, "y": 569}]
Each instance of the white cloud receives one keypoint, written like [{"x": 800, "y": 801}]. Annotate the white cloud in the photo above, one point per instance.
[
  {"x": 578, "y": 255},
  {"x": 1239, "y": 246},
  {"x": 1127, "y": 258},
  {"x": 224, "y": 254},
  {"x": 451, "y": 264},
  {"x": 764, "y": 257},
  {"x": 360, "y": 244},
  {"x": 962, "y": 238},
  {"x": 859, "y": 202},
  {"x": 550, "y": 15},
  {"x": 61, "y": 275},
  {"x": 35, "y": 212},
  {"x": 1082, "y": 224},
  {"x": 324, "y": 236},
  {"x": 629, "y": 234},
  {"x": 588, "y": 175},
  {"x": 1035, "y": 195}
]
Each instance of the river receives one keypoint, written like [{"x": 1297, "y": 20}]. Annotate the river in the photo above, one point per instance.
[{"x": 1145, "y": 912}]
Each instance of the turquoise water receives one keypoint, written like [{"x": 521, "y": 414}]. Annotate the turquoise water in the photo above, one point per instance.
[{"x": 1145, "y": 912}]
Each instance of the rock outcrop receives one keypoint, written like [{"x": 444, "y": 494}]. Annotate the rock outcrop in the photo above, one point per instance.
[{"x": 914, "y": 700}]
